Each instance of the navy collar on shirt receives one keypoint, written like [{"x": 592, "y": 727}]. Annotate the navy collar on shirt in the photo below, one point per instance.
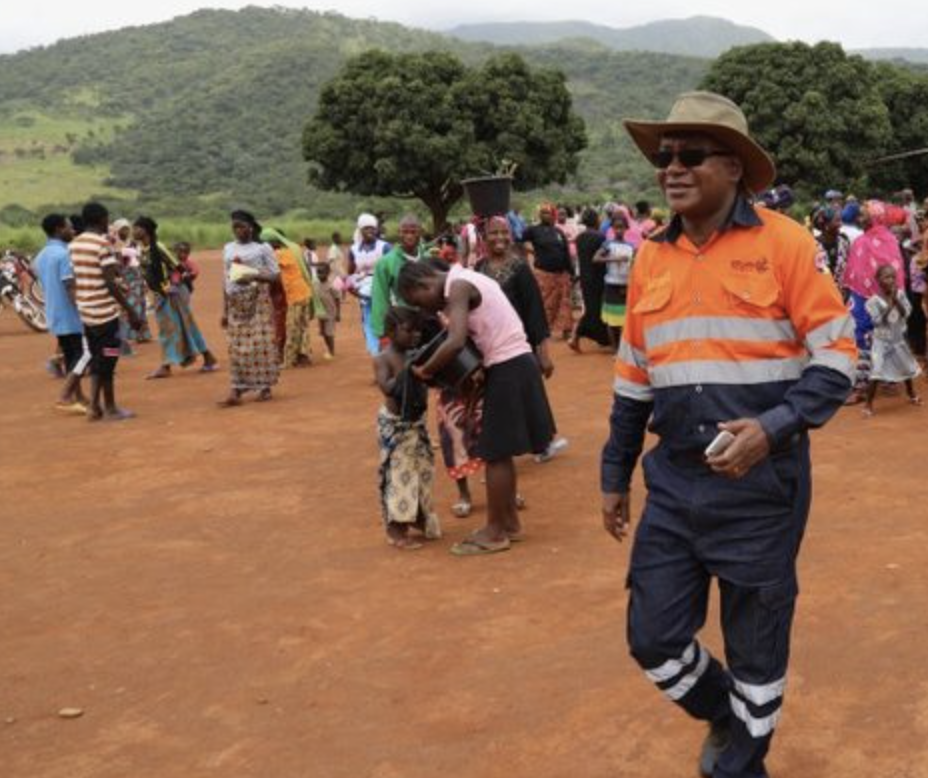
[{"x": 742, "y": 215}]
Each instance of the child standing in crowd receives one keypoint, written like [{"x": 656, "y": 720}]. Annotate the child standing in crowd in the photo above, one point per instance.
[
  {"x": 617, "y": 253},
  {"x": 328, "y": 307},
  {"x": 891, "y": 359},
  {"x": 407, "y": 464},
  {"x": 335, "y": 256},
  {"x": 309, "y": 252},
  {"x": 187, "y": 270}
]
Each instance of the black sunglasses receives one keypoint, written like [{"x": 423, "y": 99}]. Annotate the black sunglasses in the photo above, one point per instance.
[{"x": 662, "y": 158}]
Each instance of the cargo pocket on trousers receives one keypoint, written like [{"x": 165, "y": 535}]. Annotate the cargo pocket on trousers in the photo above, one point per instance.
[{"x": 773, "y": 619}]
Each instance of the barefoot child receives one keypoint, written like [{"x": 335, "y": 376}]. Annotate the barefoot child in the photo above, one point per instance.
[
  {"x": 892, "y": 361},
  {"x": 328, "y": 306},
  {"x": 407, "y": 464}
]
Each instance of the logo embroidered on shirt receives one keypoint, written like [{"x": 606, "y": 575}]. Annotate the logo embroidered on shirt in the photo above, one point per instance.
[{"x": 761, "y": 265}]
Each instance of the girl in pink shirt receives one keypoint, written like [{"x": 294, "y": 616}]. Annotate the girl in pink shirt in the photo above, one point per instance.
[{"x": 516, "y": 416}]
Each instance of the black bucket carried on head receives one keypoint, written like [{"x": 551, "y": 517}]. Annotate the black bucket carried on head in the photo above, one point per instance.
[
  {"x": 488, "y": 196},
  {"x": 465, "y": 363}
]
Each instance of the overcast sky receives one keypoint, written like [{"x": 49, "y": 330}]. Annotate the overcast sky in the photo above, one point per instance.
[{"x": 900, "y": 23}]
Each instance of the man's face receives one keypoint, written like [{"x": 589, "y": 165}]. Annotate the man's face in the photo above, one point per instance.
[
  {"x": 547, "y": 216},
  {"x": 410, "y": 234},
  {"x": 702, "y": 184}
]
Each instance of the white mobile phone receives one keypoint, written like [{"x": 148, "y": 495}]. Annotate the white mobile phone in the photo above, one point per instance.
[{"x": 719, "y": 443}]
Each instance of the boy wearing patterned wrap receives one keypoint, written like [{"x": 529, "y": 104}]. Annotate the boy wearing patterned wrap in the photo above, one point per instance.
[{"x": 407, "y": 464}]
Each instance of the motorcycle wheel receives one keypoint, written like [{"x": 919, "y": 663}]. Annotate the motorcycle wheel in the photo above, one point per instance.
[
  {"x": 33, "y": 315},
  {"x": 35, "y": 292}
]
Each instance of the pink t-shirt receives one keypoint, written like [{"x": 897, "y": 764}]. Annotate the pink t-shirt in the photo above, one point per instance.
[{"x": 494, "y": 325}]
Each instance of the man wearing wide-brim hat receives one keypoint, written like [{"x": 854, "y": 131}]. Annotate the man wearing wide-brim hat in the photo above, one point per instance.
[{"x": 730, "y": 328}]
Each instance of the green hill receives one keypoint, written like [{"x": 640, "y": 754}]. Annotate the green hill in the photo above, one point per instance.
[
  {"x": 698, "y": 36},
  {"x": 207, "y": 110}
]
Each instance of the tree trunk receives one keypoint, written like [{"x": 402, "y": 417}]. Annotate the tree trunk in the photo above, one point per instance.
[{"x": 440, "y": 201}]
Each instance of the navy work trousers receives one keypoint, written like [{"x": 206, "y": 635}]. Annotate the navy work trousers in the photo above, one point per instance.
[{"x": 746, "y": 532}]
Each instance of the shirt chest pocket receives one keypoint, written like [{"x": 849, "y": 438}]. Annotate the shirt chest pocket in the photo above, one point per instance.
[
  {"x": 656, "y": 296},
  {"x": 751, "y": 292}
]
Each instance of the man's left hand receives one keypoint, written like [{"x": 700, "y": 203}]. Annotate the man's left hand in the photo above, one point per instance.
[{"x": 750, "y": 446}]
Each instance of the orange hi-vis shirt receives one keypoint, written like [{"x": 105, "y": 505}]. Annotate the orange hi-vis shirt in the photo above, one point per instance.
[
  {"x": 748, "y": 308},
  {"x": 743, "y": 327}
]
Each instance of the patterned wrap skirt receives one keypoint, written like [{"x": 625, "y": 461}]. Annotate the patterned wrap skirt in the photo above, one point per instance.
[
  {"x": 136, "y": 296},
  {"x": 253, "y": 358},
  {"x": 555, "y": 295},
  {"x": 180, "y": 337},
  {"x": 407, "y": 469},
  {"x": 863, "y": 337}
]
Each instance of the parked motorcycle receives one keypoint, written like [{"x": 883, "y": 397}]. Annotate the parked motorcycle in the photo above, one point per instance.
[{"x": 20, "y": 289}]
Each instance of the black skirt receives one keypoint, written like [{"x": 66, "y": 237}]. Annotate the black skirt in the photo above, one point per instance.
[{"x": 517, "y": 418}]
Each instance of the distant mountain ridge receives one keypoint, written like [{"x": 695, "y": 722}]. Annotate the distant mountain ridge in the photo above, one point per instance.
[
  {"x": 912, "y": 55},
  {"x": 697, "y": 36},
  {"x": 207, "y": 110}
]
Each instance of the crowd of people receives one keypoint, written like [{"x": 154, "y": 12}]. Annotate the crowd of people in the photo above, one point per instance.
[
  {"x": 567, "y": 273},
  {"x": 101, "y": 281},
  {"x": 736, "y": 328}
]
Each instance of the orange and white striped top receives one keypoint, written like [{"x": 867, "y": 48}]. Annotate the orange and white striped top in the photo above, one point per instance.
[{"x": 90, "y": 253}]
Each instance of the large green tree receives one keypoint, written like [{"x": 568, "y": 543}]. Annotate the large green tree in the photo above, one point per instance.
[
  {"x": 816, "y": 109},
  {"x": 414, "y": 125},
  {"x": 905, "y": 93}
]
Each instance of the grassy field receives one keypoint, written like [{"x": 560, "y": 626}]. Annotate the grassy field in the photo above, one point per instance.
[{"x": 36, "y": 168}]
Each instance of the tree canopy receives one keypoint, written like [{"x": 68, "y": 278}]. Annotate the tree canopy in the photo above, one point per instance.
[
  {"x": 415, "y": 125},
  {"x": 905, "y": 93},
  {"x": 818, "y": 110}
]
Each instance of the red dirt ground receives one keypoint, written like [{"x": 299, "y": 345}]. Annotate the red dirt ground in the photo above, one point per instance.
[{"x": 212, "y": 589}]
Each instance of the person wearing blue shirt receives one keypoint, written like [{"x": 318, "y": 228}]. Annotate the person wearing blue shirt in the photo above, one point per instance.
[{"x": 53, "y": 267}]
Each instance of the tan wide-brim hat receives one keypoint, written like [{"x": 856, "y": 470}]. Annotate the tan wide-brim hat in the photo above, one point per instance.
[{"x": 718, "y": 117}]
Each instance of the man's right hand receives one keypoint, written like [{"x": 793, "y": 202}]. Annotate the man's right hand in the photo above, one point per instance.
[{"x": 617, "y": 514}]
